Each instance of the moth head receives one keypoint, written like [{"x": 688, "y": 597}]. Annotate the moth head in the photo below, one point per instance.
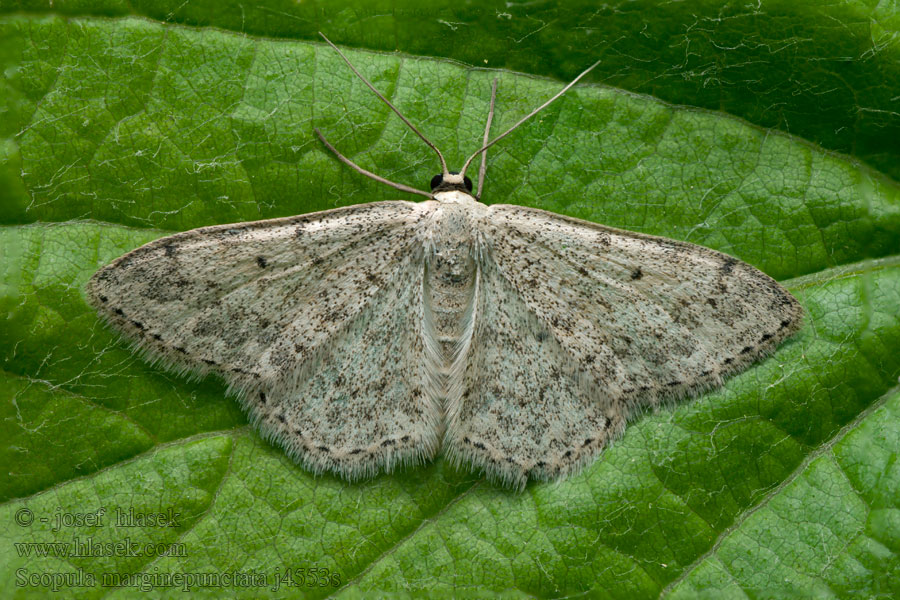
[{"x": 451, "y": 181}]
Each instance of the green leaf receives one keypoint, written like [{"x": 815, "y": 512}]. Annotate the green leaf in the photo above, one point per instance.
[
  {"x": 823, "y": 71},
  {"x": 119, "y": 130}
]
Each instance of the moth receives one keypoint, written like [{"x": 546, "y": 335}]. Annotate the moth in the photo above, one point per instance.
[{"x": 516, "y": 340}]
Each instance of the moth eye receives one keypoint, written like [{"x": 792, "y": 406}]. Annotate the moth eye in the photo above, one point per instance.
[
  {"x": 436, "y": 181},
  {"x": 467, "y": 182}
]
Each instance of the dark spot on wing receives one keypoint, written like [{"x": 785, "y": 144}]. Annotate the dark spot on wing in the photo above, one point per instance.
[
  {"x": 637, "y": 274},
  {"x": 262, "y": 262},
  {"x": 728, "y": 266}
]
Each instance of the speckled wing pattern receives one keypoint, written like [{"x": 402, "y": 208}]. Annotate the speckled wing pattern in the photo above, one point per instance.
[
  {"x": 315, "y": 322},
  {"x": 579, "y": 326},
  {"x": 354, "y": 337}
]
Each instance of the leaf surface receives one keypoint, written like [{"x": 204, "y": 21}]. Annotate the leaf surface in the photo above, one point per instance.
[{"x": 120, "y": 130}]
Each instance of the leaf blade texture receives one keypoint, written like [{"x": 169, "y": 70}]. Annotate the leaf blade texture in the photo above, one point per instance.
[{"x": 146, "y": 128}]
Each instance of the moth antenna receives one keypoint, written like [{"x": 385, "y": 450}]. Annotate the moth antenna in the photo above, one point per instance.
[
  {"x": 482, "y": 168},
  {"x": 388, "y": 102},
  {"x": 370, "y": 174},
  {"x": 526, "y": 117}
]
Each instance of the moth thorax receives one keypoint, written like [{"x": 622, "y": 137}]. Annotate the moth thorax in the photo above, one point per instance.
[{"x": 450, "y": 272}]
